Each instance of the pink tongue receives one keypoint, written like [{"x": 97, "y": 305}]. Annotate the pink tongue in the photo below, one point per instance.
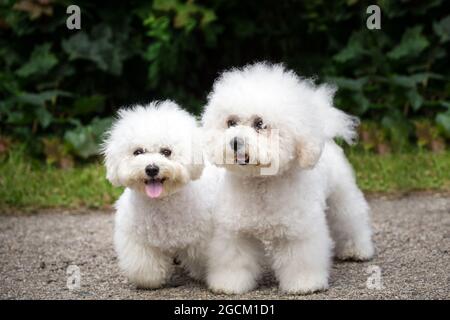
[{"x": 154, "y": 189}]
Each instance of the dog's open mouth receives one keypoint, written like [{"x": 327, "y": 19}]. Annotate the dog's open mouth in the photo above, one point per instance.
[
  {"x": 241, "y": 159},
  {"x": 154, "y": 187}
]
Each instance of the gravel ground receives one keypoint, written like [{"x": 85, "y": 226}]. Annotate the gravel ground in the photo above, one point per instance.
[{"x": 411, "y": 233}]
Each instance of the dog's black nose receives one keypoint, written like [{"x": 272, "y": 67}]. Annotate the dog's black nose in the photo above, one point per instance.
[
  {"x": 236, "y": 143},
  {"x": 152, "y": 170}
]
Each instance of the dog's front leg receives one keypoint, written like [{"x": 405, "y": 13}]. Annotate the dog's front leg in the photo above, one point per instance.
[
  {"x": 193, "y": 261},
  {"x": 302, "y": 265},
  {"x": 233, "y": 263},
  {"x": 145, "y": 266}
]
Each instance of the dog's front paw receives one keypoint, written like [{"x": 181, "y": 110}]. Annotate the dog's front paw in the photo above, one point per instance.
[
  {"x": 355, "y": 250},
  {"x": 148, "y": 280},
  {"x": 148, "y": 283},
  {"x": 231, "y": 281},
  {"x": 305, "y": 284}
]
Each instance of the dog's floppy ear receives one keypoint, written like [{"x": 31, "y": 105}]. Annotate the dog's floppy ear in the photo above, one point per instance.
[
  {"x": 107, "y": 150},
  {"x": 110, "y": 164},
  {"x": 111, "y": 174},
  {"x": 308, "y": 151},
  {"x": 335, "y": 122}
]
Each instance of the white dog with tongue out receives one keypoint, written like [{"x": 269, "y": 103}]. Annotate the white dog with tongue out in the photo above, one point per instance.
[{"x": 155, "y": 152}]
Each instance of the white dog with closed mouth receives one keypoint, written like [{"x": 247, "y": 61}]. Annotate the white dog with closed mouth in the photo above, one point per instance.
[
  {"x": 263, "y": 117},
  {"x": 155, "y": 152}
]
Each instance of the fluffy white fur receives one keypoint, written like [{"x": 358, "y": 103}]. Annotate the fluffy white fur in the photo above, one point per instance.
[
  {"x": 283, "y": 214},
  {"x": 151, "y": 232}
]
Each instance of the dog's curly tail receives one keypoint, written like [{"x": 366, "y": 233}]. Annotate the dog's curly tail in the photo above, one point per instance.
[{"x": 336, "y": 123}]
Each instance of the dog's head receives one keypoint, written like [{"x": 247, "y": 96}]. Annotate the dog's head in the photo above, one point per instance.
[
  {"x": 262, "y": 119},
  {"x": 153, "y": 149}
]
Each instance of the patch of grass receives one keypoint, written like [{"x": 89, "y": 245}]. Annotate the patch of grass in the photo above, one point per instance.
[
  {"x": 29, "y": 184},
  {"x": 403, "y": 172}
]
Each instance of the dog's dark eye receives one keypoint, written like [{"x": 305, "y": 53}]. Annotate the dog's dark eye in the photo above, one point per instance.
[
  {"x": 231, "y": 123},
  {"x": 138, "y": 151},
  {"x": 165, "y": 152},
  {"x": 258, "y": 124}
]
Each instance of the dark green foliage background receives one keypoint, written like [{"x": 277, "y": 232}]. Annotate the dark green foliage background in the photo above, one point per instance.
[{"x": 66, "y": 84}]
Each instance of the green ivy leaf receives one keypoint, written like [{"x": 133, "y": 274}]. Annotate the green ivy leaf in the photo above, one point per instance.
[
  {"x": 8, "y": 83},
  {"x": 353, "y": 50},
  {"x": 411, "y": 45},
  {"x": 43, "y": 116},
  {"x": 363, "y": 104},
  {"x": 347, "y": 83},
  {"x": 153, "y": 51},
  {"x": 85, "y": 140},
  {"x": 403, "y": 81},
  {"x": 184, "y": 19},
  {"x": 100, "y": 47},
  {"x": 415, "y": 99},
  {"x": 39, "y": 99},
  {"x": 41, "y": 61},
  {"x": 208, "y": 17},
  {"x": 158, "y": 27},
  {"x": 411, "y": 81},
  {"x": 443, "y": 121},
  {"x": 442, "y": 29}
]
